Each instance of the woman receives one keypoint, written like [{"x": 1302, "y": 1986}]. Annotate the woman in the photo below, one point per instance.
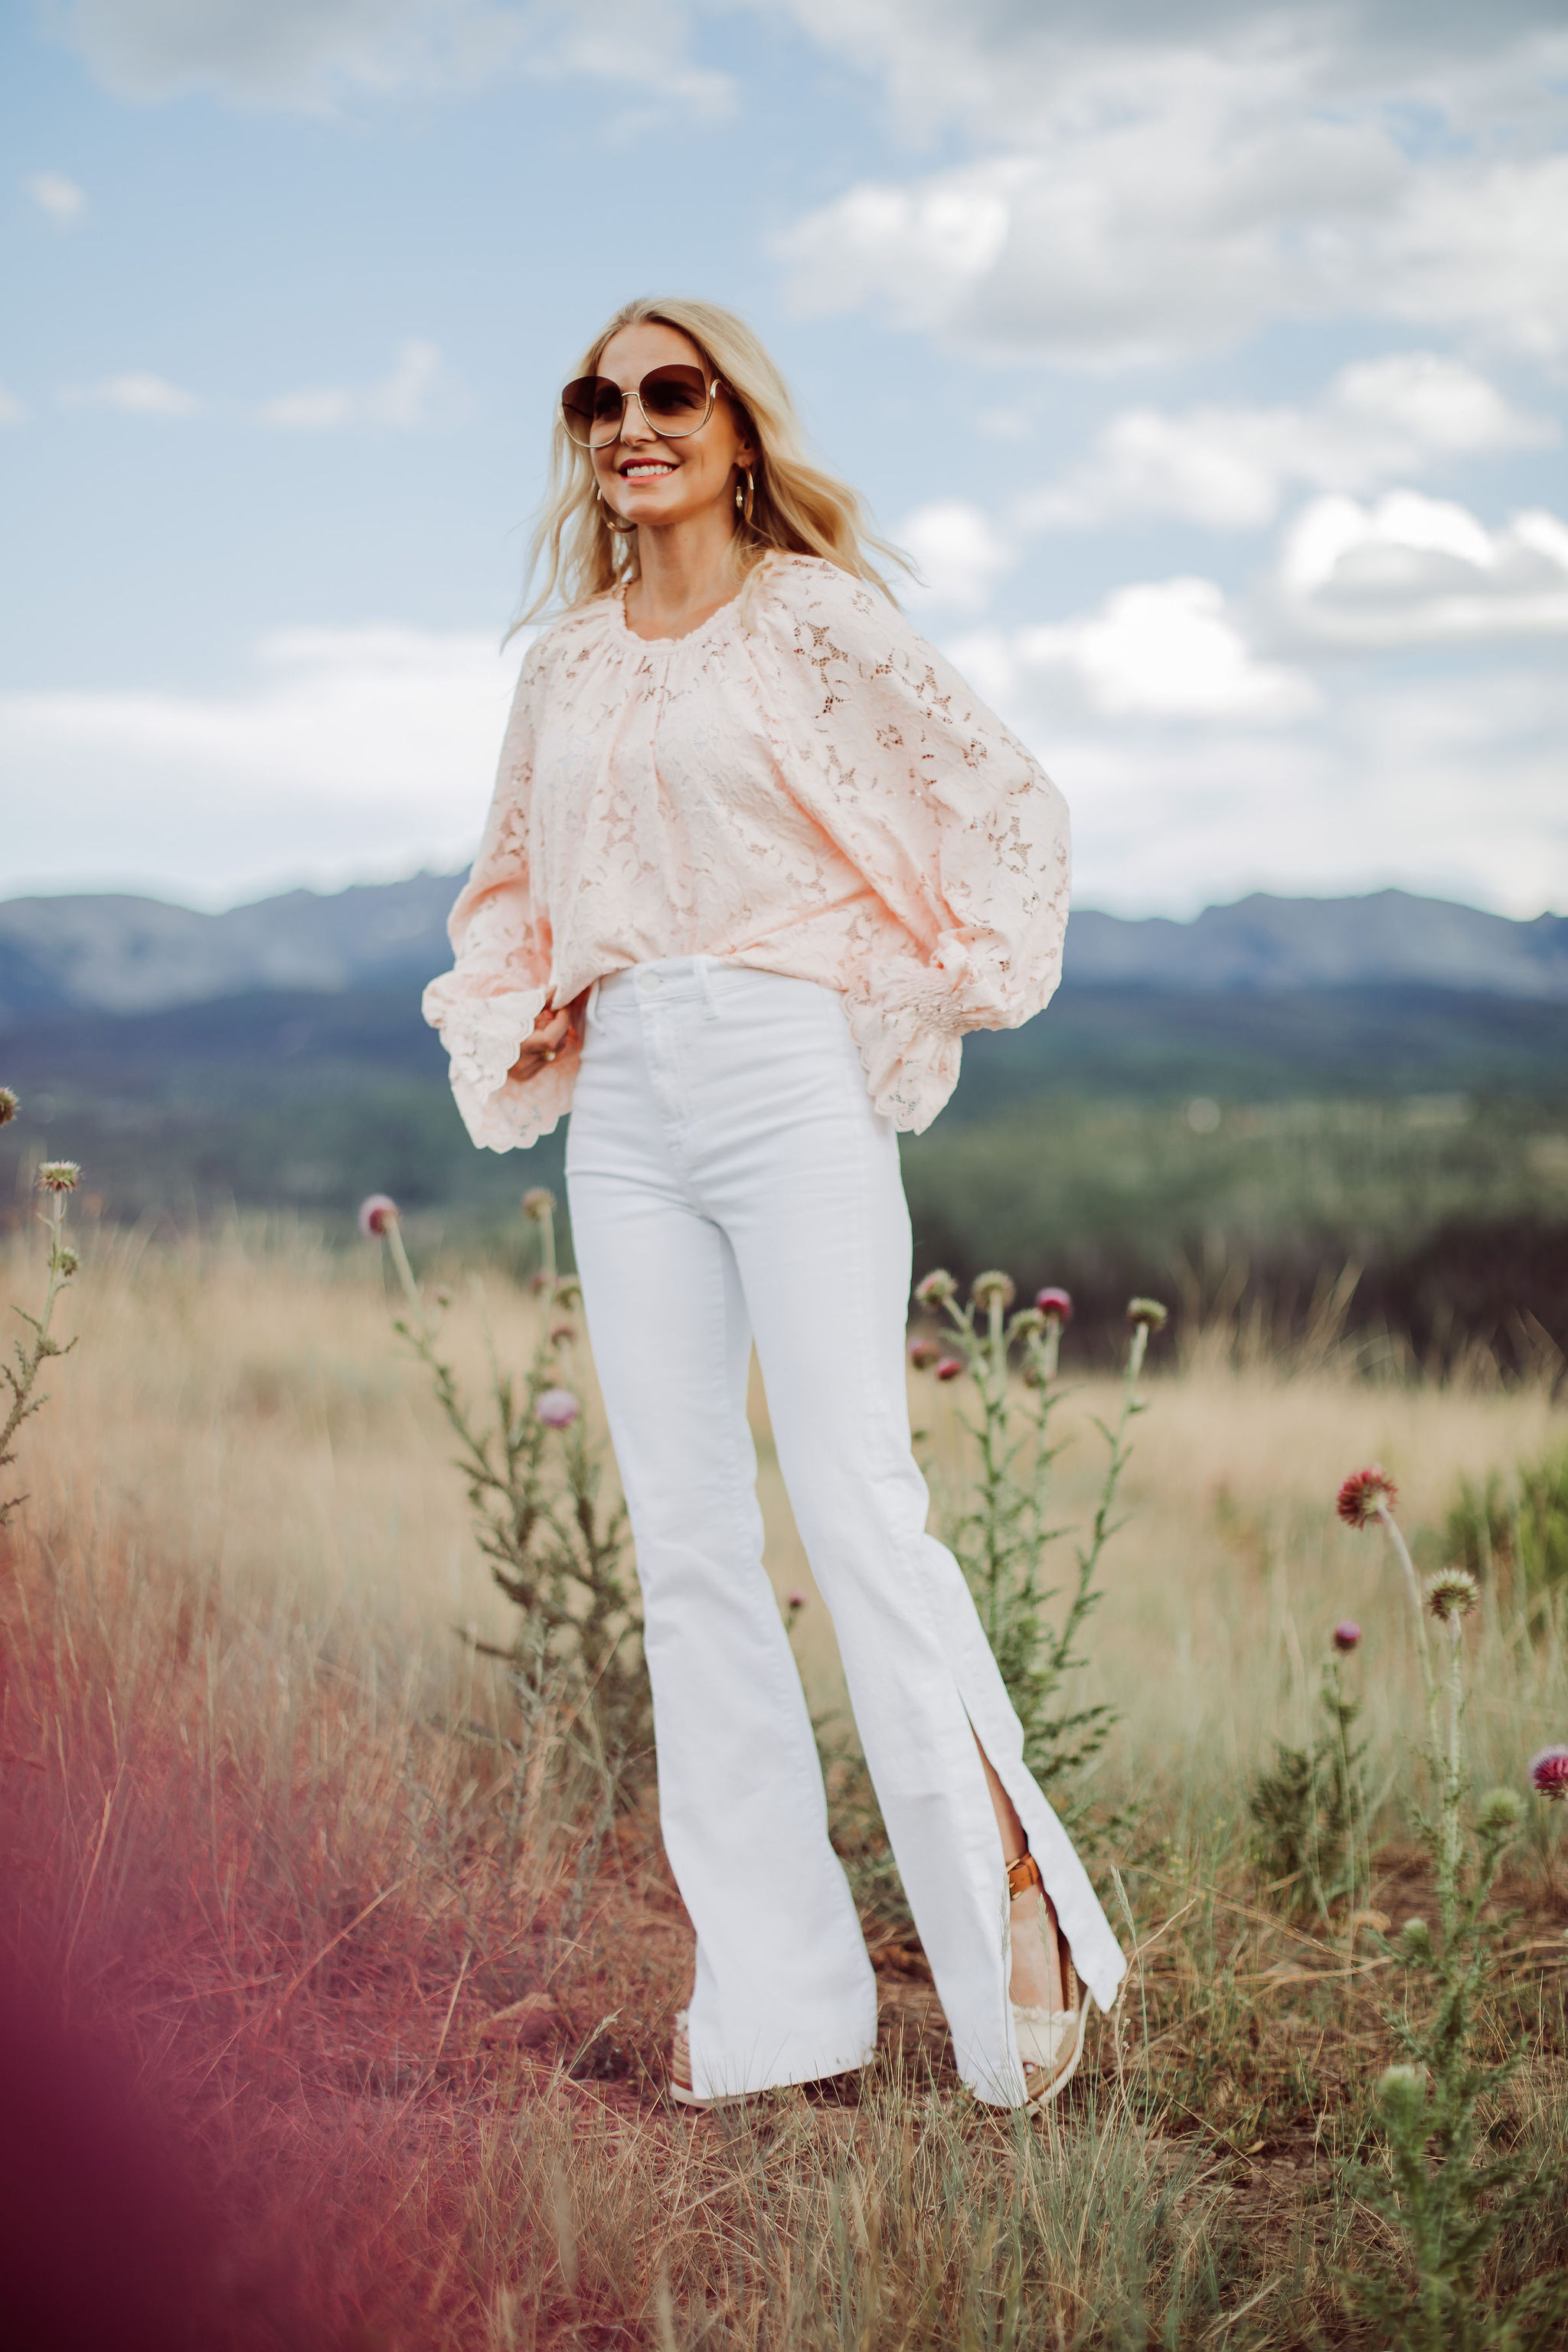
[{"x": 757, "y": 857}]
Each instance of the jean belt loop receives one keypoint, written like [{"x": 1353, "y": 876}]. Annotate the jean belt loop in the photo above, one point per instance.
[
  {"x": 705, "y": 974},
  {"x": 591, "y": 1010}
]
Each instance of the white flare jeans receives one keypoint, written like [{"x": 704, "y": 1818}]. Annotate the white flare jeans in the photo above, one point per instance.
[{"x": 728, "y": 1181}]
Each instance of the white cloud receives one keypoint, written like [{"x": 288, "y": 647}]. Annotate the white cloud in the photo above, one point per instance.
[
  {"x": 310, "y": 54},
  {"x": 136, "y": 395},
  {"x": 1453, "y": 787},
  {"x": 347, "y": 750},
  {"x": 367, "y": 751},
  {"x": 1385, "y": 797},
  {"x": 64, "y": 201},
  {"x": 411, "y": 395},
  {"x": 1162, "y": 650},
  {"x": 1139, "y": 197},
  {"x": 1227, "y": 467},
  {"x": 1417, "y": 571},
  {"x": 959, "y": 553}
]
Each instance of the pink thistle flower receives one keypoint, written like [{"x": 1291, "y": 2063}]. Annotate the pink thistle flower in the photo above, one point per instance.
[
  {"x": 794, "y": 1601},
  {"x": 1346, "y": 1635},
  {"x": 377, "y": 1214},
  {"x": 1452, "y": 1592},
  {"x": 540, "y": 1282},
  {"x": 923, "y": 1353},
  {"x": 557, "y": 1408},
  {"x": 1548, "y": 1773},
  {"x": 935, "y": 1289},
  {"x": 58, "y": 1176},
  {"x": 559, "y": 1331},
  {"x": 948, "y": 1367},
  {"x": 1365, "y": 1495},
  {"x": 1056, "y": 1305}
]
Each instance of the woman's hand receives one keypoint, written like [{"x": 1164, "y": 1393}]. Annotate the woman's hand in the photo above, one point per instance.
[{"x": 550, "y": 1031}]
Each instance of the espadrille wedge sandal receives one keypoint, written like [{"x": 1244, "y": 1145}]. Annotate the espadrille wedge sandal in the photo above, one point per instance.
[
  {"x": 679, "y": 2085},
  {"x": 1050, "y": 2041}
]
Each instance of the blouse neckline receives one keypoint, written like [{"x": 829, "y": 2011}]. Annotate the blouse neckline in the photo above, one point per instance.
[{"x": 651, "y": 644}]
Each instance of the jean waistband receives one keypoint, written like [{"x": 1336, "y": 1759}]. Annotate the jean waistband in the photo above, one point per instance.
[{"x": 680, "y": 980}]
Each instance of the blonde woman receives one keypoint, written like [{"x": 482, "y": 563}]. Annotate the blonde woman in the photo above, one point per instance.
[{"x": 757, "y": 858}]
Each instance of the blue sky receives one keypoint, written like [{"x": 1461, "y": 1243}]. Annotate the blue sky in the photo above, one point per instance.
[{"x": 1218, "y": 385}]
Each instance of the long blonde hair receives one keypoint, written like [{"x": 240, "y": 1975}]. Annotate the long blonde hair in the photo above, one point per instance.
[{"x": 797, "y": 507}]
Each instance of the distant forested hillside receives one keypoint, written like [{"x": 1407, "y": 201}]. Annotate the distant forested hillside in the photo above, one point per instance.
[{"x": 1204, "y": 1104}]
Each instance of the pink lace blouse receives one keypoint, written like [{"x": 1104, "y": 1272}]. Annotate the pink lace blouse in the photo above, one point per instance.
[{"x": 802, "y": 784}]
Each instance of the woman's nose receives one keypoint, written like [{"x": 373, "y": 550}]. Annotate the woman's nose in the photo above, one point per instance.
[{"x": 635, "y": 425}]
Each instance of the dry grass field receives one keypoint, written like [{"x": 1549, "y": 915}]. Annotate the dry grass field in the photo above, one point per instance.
[{"x": 383, "y": 1985}]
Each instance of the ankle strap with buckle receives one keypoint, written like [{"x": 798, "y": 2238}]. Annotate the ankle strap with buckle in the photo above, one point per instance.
[{"x": 1023, "y": 1873}]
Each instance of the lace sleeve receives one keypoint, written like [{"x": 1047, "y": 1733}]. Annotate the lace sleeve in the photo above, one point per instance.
[
  {"x": 485, "y": 1005},
  {"x": 953, "y": 821}
]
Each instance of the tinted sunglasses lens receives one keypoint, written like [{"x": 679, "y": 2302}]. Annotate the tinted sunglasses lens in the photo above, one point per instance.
[
  {"x": 592, "y": 409},
  {"x": 674, "y": 399}
]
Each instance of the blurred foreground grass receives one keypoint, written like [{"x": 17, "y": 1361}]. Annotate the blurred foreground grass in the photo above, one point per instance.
[{"x": 379, "y": 1952}]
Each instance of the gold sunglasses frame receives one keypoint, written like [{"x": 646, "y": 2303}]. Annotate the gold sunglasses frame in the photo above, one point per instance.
[{"x": 714, "y": 389}]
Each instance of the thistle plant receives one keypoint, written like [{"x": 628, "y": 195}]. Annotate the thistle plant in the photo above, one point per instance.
[
  {"x": 56, "y": 1179},
  {"x": 534, "y": 1480},
  {"x": 1442, "y": 2190},
  {"x": 1003, "y": 1537}
]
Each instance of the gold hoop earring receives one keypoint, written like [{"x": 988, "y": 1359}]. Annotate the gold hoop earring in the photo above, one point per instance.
[
  {"x": 616, "y": 521},
  {"x": 743, "y": 497}
]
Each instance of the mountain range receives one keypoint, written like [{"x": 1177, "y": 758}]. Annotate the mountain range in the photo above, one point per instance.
[
  {"x": 116, "y": 954},
  {"x": 273, "y": 1057}
]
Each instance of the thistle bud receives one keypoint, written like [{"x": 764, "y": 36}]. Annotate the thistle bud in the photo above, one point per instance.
[
  {"x": 923, "y": 1353},
  {"x": 1346, "y": 1635},
  {"x": 1028, "y": 1323},
  {"x": 1415, "y": 1943},
  {"x": 935, "y": 1289},
  {"x": 557, "y": 1408},
  {"x": 948, "y": 1368},
  {"x": 559, "y": 1331},
  {"x": 1365, "y": 1495},
  {"x": 1402, "y": 2095},
  {"x": 994, "y": 1289},
  {"x": 539, "y": 1203},
  {"x": 9, "y": 1105},
  {"x": 1499, "y": 1812},
  {"x": 377, "y": 1214},
  {"x": 568, "y": 1290},
  {"x": 58, "y": 1176},
  {"x": 1548, "y": 1773},
  {"x": 1055, "y": 1305},
  {"x": 1148, "y": 1312},
  {"x": 65, "y": 1264},
  {"x": 1452, "y": 1593}
]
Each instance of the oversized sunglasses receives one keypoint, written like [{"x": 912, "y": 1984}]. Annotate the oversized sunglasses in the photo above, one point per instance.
[{"x": 674, "y": 401}]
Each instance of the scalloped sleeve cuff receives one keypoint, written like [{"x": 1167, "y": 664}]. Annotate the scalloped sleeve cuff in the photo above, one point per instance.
[{"x": 483, "y": 1035}]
